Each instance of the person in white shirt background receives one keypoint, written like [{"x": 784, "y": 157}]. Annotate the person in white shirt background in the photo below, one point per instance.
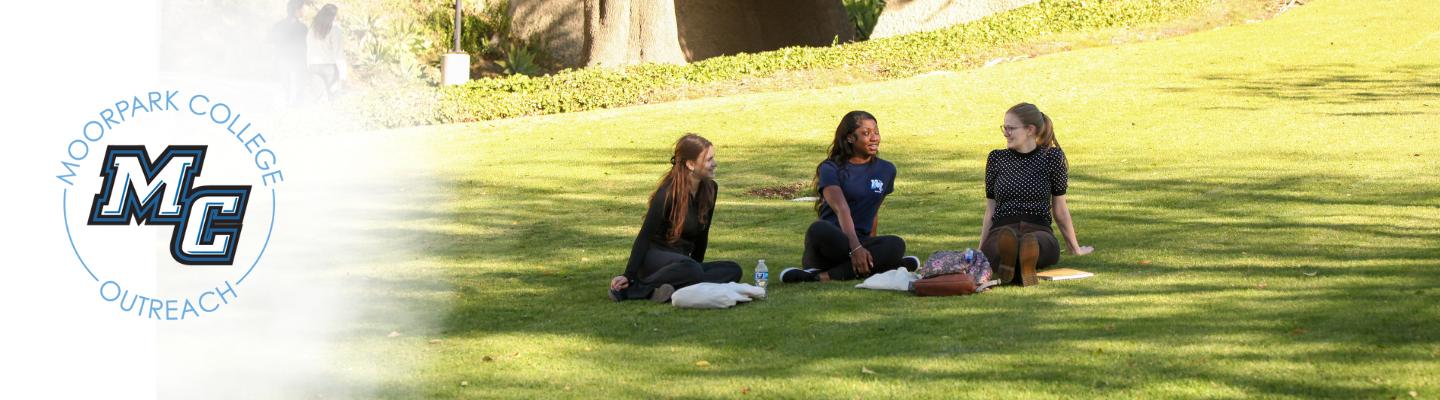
[{"x": 325, "y": 50}]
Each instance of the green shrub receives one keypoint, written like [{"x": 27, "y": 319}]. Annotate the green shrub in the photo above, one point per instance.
[
  {"x": 864, "y": 14},
  {"x": 485, "y": 29},
  {"x": 386, "y": 47},
  {"x": 899, "y": 56},
  {"x": 518, "y": 61}
]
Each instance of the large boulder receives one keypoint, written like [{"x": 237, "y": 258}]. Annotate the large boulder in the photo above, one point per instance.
[{"x": 909, "y": 16}]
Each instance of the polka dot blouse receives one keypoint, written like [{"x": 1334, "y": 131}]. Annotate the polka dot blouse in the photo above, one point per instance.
[{"x": 1023, "y": 183}]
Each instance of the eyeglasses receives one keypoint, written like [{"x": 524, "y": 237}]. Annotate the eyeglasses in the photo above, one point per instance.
[{"x": 1006, "y": 129}]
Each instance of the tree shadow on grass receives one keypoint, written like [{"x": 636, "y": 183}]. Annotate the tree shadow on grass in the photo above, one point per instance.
[
  {"x": 1222, "y": 229},
  {"x": 1335, "y": 83},
  {"x": 1025, "y": 339}
]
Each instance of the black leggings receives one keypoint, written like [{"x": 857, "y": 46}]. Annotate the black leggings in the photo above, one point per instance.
[
  {"x": 292, "y": 76},
  {"x": 827, "y": 249},
  {"x": 678, "y": 270},
  {"x": 328, "y": 73}
]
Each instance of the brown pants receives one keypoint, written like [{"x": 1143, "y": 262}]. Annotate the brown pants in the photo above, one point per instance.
[{"x": 1049, "y": 247}]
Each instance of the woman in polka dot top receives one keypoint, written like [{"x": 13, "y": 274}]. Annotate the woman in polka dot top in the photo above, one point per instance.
[{"x": 1025, "y": 185}]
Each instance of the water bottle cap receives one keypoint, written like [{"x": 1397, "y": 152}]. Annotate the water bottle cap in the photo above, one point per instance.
[{"x": 762, "y": 260}]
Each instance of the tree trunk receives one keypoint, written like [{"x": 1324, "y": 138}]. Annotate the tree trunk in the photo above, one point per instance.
[{"x": 621, "y": 32}]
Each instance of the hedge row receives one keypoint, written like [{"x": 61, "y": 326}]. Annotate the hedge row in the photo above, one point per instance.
[{"x": 592, "y": 88}]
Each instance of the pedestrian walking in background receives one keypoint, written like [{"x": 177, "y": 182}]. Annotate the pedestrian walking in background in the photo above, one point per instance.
[
  {"x": 288, "y": 37},
  {"x": 325, "y": 50}
]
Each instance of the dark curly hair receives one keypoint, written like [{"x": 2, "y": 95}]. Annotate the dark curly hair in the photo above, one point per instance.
[{"x": 840, "y": 150}]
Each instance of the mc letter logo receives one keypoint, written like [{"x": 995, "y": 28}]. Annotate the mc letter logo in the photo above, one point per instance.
[
  {"x": 207, "y": 219},
  {"x": 169, "y": 203}
]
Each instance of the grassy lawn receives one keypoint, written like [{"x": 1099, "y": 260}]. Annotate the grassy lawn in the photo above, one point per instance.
[{"x": 1237, "y": 161}]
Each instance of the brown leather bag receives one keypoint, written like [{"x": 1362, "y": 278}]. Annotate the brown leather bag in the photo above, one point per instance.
[{"x": 945, "y": 285}]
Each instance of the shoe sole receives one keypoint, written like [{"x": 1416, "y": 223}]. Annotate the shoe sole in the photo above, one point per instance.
[
  {"x": 786, "y": 272},
  {"x": 1008, "y": 244},
  {"x": 808, "y": 277},
  {"x": 1029, "y": 255},
  {"x": 662, "y": 293},
  {"x": 914, "y": 268}
]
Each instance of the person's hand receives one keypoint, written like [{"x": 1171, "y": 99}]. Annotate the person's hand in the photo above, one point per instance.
[
  {"x": 1082, "y": 250},
  {"x": 860, "y": 259},
  {"x": 619, "y": 283}
]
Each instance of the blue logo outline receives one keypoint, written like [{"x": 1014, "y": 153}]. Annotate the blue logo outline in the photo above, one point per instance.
[{"x": 217, "y": 220}]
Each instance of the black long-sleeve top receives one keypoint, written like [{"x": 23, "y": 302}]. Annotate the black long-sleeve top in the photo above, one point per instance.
[
  {"x": 1022, "y": 184},
  {"x": 288, "y": 36},
  {"x": 655, "y": 230}
]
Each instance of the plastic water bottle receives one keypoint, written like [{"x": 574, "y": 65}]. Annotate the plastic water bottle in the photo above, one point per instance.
[{"x": 762, "y": 275}]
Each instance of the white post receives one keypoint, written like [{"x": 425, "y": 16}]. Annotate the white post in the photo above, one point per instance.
[{"x": 455, "y": 67}]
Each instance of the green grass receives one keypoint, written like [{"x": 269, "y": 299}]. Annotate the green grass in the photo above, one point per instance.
[{"x": 1236, "y": 160}]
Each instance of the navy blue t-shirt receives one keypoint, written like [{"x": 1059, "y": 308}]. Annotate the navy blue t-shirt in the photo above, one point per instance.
[{"x": 864, "y": 186}]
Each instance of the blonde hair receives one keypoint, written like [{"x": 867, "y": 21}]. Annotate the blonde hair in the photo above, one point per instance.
[{"x": 1031, "y": 115}]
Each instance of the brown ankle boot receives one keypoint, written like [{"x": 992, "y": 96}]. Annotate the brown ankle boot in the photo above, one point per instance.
[
  {"x": 1029, "y": 255},
  {"x": 1008, "y": 246}
]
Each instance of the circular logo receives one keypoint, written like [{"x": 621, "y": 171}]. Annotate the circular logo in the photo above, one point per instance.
[{"x": 169, "y": 203}]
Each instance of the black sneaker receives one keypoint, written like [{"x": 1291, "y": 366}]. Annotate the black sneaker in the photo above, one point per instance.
[
  {"x": 796, "y": 275},
  {"x": 662, "y": 293},
  {"x": 617, "y": 296},
  {"x": 911, "y": 263}
]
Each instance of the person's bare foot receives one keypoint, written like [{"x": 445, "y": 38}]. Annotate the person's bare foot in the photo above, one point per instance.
[{"x": 824, "y": 276}]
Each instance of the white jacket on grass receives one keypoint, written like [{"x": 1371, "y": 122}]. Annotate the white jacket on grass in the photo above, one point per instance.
[
  {"x": 715, "y": 295},
  {"x": 897, "y": 279}
]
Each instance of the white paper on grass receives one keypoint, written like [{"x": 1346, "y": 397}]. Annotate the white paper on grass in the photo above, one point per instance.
[
  {"x": 715, "y": 295},
  {"x": 898, "y": 279}
]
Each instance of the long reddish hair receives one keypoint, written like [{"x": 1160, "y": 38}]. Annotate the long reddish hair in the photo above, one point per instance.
[{"x": 688, "y": 148}]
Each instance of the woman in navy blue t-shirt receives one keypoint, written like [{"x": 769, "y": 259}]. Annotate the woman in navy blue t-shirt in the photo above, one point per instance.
[{"x": 851, "y": 182}]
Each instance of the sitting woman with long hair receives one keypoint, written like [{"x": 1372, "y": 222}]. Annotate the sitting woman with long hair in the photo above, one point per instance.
[
  {"x": 1025, "y": 185},
  {"x": 851, "y": 182},
  {"x": 669, "y": 252}
]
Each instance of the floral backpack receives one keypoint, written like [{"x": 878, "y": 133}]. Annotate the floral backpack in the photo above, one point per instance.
[{"x": 971, "y": 263}]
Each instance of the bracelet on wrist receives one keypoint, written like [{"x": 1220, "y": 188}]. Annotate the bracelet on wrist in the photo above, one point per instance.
[{"x": 852, "y": 251}]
